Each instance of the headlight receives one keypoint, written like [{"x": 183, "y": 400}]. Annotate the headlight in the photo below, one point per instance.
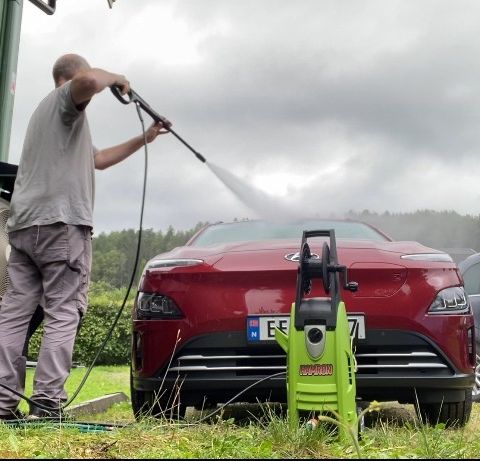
[
  {"x": 155, "y": 306},
  {"x": 433, "y": 257},
  {"x": 181, "y": 262},
  {"x": 451, "y": 300}
]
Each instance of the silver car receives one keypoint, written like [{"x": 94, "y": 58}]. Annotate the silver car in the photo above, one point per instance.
[{"x": 470, "y": 270}]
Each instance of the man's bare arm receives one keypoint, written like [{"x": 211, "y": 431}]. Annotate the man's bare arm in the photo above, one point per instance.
[
  {"x": 87, "y": 84},
  {"x": 115, "y": 154}
]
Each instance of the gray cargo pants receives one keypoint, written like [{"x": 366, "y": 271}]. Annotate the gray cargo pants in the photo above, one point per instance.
[{"x": 51, "y": 263}]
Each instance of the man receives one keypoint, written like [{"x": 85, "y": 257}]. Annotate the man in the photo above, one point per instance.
[{"x": 50, "y": 232}]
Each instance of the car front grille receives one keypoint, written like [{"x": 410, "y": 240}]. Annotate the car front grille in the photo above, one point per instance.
[
  {"x": 404, "y": 361},
  {"x": 407, "y": 360},
  {"x": 223, "y": 361}
]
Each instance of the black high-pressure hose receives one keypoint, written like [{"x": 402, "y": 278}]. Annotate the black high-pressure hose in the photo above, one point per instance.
[
  {"x": 119, "y": 313},
  {"x": 137, "y": 256},
  {"x": 140, "y": 103}
]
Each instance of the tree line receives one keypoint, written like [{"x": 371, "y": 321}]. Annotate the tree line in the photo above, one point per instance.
[
  {"x": 114, "y": 253},
  {"x": 436, "y": 229}
]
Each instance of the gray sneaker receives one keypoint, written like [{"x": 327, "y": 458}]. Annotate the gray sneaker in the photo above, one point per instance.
[{"x": 46, "y": 411}]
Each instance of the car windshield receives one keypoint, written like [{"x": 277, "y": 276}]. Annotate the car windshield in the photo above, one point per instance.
[{"x": 250, "y": 231}]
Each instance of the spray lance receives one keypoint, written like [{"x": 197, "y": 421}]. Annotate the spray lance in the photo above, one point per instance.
[{"x": 134, "y": 97}]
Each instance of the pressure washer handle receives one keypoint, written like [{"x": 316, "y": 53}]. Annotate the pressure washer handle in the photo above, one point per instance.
[
  {"x": 118, "y": 94},
  {"x": 136, "y": 98}
]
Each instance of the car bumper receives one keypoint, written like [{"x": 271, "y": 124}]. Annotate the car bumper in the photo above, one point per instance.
[{"x": 391, "y": 365}]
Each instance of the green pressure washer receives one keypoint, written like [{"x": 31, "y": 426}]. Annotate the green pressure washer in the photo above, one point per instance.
[{"x": 320, "y": 362}]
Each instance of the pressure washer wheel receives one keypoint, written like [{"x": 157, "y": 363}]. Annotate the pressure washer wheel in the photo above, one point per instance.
[
  {"x": 326, "y": 261},
  {"x": 305, "y": 282},
  {"x": 305, "y": 270}
]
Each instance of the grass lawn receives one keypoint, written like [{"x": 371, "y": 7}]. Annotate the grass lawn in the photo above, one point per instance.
[{"x": 241, "y": 432}]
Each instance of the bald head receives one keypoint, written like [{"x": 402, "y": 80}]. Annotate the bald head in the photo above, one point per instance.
[{"x": 67, "y": 66}]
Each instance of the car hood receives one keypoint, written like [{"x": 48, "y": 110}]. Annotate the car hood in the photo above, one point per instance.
[{"x": 270, "y": 254}]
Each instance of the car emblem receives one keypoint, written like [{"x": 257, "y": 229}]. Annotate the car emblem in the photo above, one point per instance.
[{"x": 296, "y": 256}]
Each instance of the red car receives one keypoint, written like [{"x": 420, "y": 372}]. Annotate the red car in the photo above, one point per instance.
[{"x": 204, "y": 318}]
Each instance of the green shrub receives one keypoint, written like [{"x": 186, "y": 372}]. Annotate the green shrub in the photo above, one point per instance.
[{"x": 103, "y": 306}]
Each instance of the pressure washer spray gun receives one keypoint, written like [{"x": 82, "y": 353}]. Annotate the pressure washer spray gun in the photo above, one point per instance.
[
  {"x": 141, "y": 103},
  {"x": 320, "y": 361}
]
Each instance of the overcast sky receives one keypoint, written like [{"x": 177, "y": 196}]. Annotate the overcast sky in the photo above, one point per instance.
[{"x": 325, "y": 105}]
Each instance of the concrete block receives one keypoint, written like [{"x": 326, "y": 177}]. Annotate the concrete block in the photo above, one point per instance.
[{"x": 98, "y": 405}]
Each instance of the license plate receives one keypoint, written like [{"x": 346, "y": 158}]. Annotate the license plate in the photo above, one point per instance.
[{"x": 262, "y": 327}]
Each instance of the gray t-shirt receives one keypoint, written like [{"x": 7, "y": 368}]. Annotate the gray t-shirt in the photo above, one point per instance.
[{"x": 56, "y": 175}]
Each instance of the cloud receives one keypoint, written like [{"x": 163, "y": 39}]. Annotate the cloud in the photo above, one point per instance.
[{"x": 330, "y": 105}]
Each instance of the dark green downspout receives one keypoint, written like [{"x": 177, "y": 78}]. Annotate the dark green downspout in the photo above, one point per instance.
[
  {"x": 11, "y": 18},
  {"x": 10, "y": 24}
]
